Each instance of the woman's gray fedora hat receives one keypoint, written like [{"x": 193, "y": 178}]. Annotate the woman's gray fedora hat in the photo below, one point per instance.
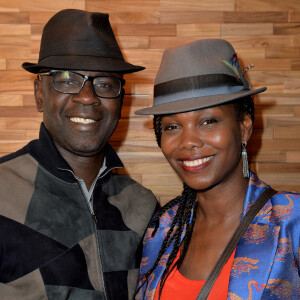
[
  {"x": 198, "y": 75},
  {"x": 79, "y": 40}
]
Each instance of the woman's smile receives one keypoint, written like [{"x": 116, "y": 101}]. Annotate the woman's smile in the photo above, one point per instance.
[
  {"x": 203, "y": 146},
  {"x": 195, "y": 165}
]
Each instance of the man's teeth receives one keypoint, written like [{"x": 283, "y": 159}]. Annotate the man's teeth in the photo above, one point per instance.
[
  {"x": 196, "y": 162},
  {"x": 82, "y": 120}
]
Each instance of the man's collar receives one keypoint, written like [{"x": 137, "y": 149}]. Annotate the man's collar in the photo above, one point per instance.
[{"x": 46, "y": 153}]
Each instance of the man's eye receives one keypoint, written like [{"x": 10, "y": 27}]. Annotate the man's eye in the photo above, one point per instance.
[
  {"x": 209, "y": 121},
  {"x": 103, "y": 86},
  {"x": 68, "y": 82}
]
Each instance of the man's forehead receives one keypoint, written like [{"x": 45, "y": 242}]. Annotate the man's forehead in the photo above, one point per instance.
[
  {"x": 88, "y": 73},
  {"x": 97, "y": 73}
]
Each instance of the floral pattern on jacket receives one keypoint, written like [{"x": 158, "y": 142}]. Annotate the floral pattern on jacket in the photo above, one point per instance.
[{"x": 267, "y": 260}]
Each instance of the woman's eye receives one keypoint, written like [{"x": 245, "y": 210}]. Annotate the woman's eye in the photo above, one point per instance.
[{"x": 170, "y": 127}]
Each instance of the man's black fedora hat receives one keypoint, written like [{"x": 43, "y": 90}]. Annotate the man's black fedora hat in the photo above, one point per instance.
[{"x": 78, "y": 40}]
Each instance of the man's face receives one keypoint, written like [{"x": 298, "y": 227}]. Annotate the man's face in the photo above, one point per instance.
[{"x": 82, "y": 123}]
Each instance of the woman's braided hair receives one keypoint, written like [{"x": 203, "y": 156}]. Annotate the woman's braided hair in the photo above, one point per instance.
[{"x": 187, "y": 207}]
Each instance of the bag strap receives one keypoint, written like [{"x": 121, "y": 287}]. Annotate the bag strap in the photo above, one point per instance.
[{"x": 239, "y": 232}]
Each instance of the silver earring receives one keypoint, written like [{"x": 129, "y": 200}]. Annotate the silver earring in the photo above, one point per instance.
[{"x": 245, "y": 160}]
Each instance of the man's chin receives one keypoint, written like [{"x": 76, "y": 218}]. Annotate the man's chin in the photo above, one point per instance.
[{"x": 86, "y": 151}]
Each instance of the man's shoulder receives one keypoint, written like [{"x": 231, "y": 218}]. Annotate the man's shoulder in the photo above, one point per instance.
[
  {"x": 135, "y": 202},
  {"x": 124, "y": 181},
  {"x": 19, "y": 164},
  {"x": 13, "y": 155},
  {"x": 129, "y": 190}
]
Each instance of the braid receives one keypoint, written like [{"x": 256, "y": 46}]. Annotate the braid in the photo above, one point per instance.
[
  {"x": 187, "y": 207},
  {"x": 157, "y": 129}
]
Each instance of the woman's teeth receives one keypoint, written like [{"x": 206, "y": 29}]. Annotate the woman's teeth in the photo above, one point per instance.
[{"x": 196, "y": 162}]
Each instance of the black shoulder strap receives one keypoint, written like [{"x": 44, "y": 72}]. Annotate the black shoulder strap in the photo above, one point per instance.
[{"x": 239, "y": 232}]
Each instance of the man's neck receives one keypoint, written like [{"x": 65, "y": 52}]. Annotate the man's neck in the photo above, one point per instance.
[{"x": 85, "y": 167}]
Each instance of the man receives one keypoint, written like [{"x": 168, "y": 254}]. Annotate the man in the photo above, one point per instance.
[{"x": 70, "y": 229}]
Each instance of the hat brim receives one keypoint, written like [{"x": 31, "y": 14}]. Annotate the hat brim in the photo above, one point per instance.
[
  {"x": 190, "y": 104},
  {"x": 84, "y": 63}
]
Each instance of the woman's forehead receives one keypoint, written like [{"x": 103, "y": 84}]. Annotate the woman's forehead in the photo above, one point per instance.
[{"x": 225, "y": 108}]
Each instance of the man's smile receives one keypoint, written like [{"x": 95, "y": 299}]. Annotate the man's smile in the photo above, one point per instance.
[{"x": 82, "y": 120}]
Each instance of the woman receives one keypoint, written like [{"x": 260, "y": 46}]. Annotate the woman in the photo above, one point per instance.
[{"x": 203, "y": 119}]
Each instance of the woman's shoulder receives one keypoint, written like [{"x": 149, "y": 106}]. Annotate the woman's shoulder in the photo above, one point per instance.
[
  {"x": 284, "y": 199},
  {"x": 290, "y": 198},
  {"x": 166, "y": 213},
  {"x": 161, "y": 222},
  {"x": 286, "y": 208}
]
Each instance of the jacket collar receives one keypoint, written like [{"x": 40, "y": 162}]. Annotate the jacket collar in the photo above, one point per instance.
[
  {"x": 255, "y": 188},
  {"x": 46, "y": 153},
  {"x": 255, "y": 252}
]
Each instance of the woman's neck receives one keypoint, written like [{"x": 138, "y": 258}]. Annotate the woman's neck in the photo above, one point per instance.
[{"x": 223, "y": 201}]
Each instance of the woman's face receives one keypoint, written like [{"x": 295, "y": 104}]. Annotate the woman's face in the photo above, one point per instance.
[{"x": 204, "y": 146}]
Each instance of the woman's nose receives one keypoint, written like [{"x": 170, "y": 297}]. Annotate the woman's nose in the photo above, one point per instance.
[{"x": 191, "y": 139}]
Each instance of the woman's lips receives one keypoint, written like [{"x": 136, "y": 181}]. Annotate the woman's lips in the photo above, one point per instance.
[{"x": 195, "y": 165}]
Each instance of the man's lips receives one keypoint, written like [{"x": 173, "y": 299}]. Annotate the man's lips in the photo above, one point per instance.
[{"x": 82, "y": 120}]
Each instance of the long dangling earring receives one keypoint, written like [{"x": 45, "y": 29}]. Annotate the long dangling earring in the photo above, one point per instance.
[{"x": 245, "y": 160}]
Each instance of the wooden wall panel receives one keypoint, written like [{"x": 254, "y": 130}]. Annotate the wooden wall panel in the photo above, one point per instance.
[
  {"x": 265, "y": 33},
  {"x": 123, "y": 6},
  {"x": 205, "y": 30},
  {"x": 53, "y": 5},
  {"x": 197, "y": 5},
  {"x": 267, "y": 5},
  {"x": 191, "y": 17},
  {"x": 2, "y": 63},
  {"x": 245, "y": 29}
]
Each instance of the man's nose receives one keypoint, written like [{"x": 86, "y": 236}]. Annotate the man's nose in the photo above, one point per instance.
[{"x": 87, "y": 95}]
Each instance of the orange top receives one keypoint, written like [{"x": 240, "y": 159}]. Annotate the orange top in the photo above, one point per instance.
[{"x": 178, "y": 287}]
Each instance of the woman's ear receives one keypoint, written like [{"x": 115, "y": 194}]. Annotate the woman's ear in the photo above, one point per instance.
[
  {"x": 246, "y": 128},
  {"x": 38, "y": 94}
]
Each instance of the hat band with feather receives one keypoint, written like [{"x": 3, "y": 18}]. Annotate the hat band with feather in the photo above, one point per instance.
[
  {"x": 197, "y": 86},
  {"x": 198, "y": 75}
]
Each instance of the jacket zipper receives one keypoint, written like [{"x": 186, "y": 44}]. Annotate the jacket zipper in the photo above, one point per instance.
[
  {"x": 95, "y": 223},
  {"x": 97, "y": 239}
]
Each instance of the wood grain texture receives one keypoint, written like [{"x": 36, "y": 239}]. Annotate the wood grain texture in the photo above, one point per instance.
[
  {"x": 255, "y": 17},
  {"x": 294, "y": 16},
  {"x": 205, "y": 30},
  {"x": 197, "y": 5},
  {"x": 124, "y": 6},
  {"x": 267, "y": 5},
  {"x": 246, "y": 29},
  {"x": 2, "y": 63},
  {"x": 263, "y": 32},
  {"x": 286, "y": 29},
  {"x": 191, "y": 17}
]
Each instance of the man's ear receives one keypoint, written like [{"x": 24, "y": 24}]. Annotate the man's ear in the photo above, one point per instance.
[
  {"x": 246, "y": 128},
  {"x": 38, "y": 94}
]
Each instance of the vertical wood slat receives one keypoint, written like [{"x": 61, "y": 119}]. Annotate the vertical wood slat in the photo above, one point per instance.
[{"x": 263, "y": 32}]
